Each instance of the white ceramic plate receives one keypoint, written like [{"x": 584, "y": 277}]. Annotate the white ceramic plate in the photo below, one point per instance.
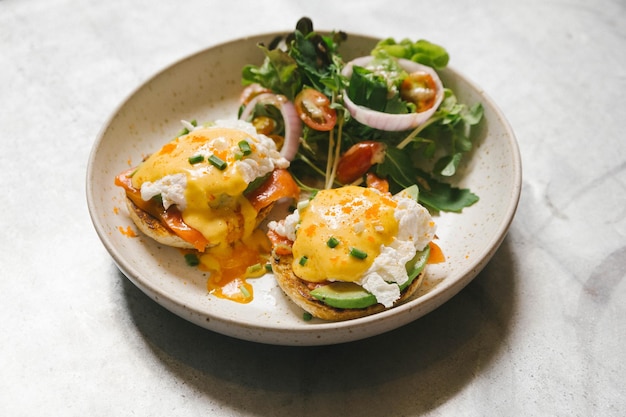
[{"x": 206, "y": 86}]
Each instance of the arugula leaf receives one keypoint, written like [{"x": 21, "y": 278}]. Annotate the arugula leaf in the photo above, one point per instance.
[
  {"x": 448, "y": 131},
  {"x": 437, "y": 195},
  {"x": 398, "y": 167},
  {"x": 371, "y": 89},
  {"x": 441, "y": 196},
  {"x": 318, "y": 61},
  {"x": 279, "y": 72},
  {"x": 447, "y": 165},
  {"x": 368, "y": 89}
]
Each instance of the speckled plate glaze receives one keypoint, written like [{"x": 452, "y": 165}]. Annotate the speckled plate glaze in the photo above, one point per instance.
[{"x": 206, "y": 86}]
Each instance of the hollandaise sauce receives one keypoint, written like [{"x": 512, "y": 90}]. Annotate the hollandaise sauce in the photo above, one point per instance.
[
  {"x": 210, "y": 189},
  {"x": 231, "y": 266},
  {"x": 341, "y": 233},
  {"x": 204, "y": 177}
]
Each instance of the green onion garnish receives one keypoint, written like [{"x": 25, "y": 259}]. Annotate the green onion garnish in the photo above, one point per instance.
[
  {"x": 217, "y": 162},
  {"x": 196, "y": 159},
  {"x": 358, "y": 253},
  {"x": 254, "y": 268},
  {"x": 268, "y": 267},
  {"x": 332, "y": 242},
  {"x": 245, "y": 148},
  {"x": 244, "y": 291},
  {"x": 306, "y": 316},
  {"x": 192, "y": 259},
  {"x": 303, "y": 260}
]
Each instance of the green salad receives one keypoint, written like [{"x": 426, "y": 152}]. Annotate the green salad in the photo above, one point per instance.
[{"x": 385, "y": 117}]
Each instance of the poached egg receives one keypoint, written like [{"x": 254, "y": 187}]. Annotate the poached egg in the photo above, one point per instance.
[
  {"x": 205, "y": 173},
  {"x": 218, "y": 179},
  {"x": 357, "y": 234}
]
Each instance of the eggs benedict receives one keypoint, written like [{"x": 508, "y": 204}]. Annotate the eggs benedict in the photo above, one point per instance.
[
  {"x": 352, "y": 251},
  {"x": 208, "y": 190}
]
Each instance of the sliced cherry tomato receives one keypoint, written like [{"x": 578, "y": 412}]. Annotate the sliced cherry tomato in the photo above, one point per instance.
[
  {"x": 264, "y": 125},
  {"x": 374, "y": 181},
  {"x": 358, "y": 159},
  {"x": 419, "y": 88},
  {"x": 314, "y": 110}
]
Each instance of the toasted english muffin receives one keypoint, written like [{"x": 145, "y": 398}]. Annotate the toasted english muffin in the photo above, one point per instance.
[{"x": 298, "y": 291}]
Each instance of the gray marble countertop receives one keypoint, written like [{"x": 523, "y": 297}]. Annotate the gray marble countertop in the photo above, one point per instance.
[{"x": 541, "y": 331}]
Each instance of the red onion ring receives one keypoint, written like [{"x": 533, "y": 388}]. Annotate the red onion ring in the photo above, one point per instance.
[
  {"x": 293, "y": 124},
  {"x": 386, "y": 121}
]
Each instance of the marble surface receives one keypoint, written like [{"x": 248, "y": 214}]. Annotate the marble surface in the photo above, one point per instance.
[{"x": 541, "y": 330}]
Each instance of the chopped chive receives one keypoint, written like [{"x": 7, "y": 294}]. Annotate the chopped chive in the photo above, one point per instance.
[
  {"x": 245, "y": 148},
  {"x": 306, "y": 316},
  {"x": 196, "y": 159},
  {"x": 217, "y": 162},
  {"x": 255, "y": 271},
  {"x": 303, "y": 260},
  {"x": 268, "y": 267},
  {"x": 192, "y": 259},
  {"x": 254, "y": 268},
  {"x": 244, "y": 291},
  {"x": 358, "y": 253},
  {"x": 332, "y": 242}
]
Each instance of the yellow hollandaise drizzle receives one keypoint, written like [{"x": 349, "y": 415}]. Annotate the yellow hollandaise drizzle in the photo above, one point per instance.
[
  {"x": 195, "y": 186},
  {"x": 230, "y": 267},
  {"x": 341, "y": 233}
]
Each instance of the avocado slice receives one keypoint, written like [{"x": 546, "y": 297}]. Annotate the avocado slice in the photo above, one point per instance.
[
  {"x": 352, "y": 295},
  {"x": 344, "y": 295}
]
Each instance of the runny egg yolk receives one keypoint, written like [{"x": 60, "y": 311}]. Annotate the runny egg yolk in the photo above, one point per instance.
[
  {"x": 338, "y": 227},
  {"x": 231, "y": 265}
]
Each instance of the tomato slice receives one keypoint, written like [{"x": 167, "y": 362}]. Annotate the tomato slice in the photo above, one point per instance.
[
  {"x": 374, "y": 181},
  {"x": 314, "y": 110},
  {"x": 420, "y": 88},
  {"x": 358, "y": 159}
]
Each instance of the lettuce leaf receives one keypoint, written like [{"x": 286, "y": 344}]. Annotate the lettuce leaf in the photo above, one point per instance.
[{"x": 437, "y": 195}]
